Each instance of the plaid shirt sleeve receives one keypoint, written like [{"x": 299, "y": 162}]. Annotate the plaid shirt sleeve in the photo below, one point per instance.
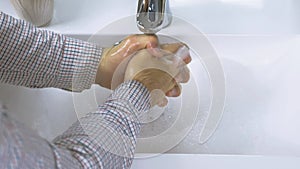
[
  {"x": 38, "y": 58},
  {"x": 102, "y": 139}
]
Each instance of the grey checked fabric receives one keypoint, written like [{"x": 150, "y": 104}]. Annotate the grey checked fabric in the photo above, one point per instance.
[{"x": 103, "y": 139}]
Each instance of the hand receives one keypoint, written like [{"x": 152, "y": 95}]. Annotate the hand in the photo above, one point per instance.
[
  {"x": 112, "y": 57},
  {"x": 160, "y": 75}
]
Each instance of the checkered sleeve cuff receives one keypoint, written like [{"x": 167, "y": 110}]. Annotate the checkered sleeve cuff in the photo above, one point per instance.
[
  {"x": 79, "y": 64},
  {"x": 134, "y": 93},
  {"x": 107, "y": 138}
]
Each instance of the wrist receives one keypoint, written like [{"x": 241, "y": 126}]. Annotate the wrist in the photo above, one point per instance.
[
  {"x": 154, "y": 79},
  {"x": 135, "y": 93},
  {"x": 103, "y": 75}
]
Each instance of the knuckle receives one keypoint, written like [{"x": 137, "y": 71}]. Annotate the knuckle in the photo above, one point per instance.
[{"x": 152, "y": 38}]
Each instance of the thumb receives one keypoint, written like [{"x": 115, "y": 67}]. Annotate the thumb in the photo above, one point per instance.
[{"x": 143, "y": 41}]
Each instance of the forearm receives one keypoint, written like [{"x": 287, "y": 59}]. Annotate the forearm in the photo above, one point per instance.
[
  {"x": 107, "y": 138},
  {"x": 102, "y": 139},
  {"x": 34, "y": 57}
]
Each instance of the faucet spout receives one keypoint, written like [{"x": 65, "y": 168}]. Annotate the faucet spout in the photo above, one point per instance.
[{"x": 152, "y": 15}]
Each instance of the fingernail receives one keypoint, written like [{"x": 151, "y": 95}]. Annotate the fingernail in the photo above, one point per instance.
[
  {"x": 178, "y": 79},
  {"x": 182, "y": 52},
  {"x": 163, "y": 103},
  {"x": 174, "y": 92}
]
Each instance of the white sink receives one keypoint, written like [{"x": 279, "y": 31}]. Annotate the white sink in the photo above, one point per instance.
[{"x": 257, "y": 42}]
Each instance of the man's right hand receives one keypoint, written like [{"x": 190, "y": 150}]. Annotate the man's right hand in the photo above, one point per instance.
[
  {"x": 112, "y": 57},
  {"x": 160, "y": 75}
]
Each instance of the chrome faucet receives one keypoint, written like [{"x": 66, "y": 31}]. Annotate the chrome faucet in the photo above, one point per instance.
[{"x": 153, "y": 15}]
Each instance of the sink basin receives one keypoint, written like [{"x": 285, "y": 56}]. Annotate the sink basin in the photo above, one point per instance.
[
  {"x": 202, "y": 99},
  {"x": 257, "y": 42}
]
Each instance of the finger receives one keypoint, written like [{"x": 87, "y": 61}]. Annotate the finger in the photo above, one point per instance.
[
  {"x": 142, "y": 41},
  {"x": 183, "y": 53},
  {"x": 134, "y": 43},
  {"x": 156, "y": 97},
  {"x": 148, "y": 41},
  {"x": 175, "y": 47},
  {"x": 175, "y": 91},
  {"x": 187, "y": 59},
  {"x": 163, "y": 102},
  {"x": 171, "y": 47},
  {"x": 183, "y": 76}
]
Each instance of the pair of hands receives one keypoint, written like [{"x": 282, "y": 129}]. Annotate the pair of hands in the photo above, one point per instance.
[{"x": 159, "y": 67}]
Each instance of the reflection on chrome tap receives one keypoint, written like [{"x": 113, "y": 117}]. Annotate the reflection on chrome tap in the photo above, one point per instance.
[{"x": 153, "y": 15}]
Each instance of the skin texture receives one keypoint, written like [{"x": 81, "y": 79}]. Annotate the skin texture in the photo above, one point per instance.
[
  {"x": 112, "y": 57},
  {"x": 159, "y": 74}
]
